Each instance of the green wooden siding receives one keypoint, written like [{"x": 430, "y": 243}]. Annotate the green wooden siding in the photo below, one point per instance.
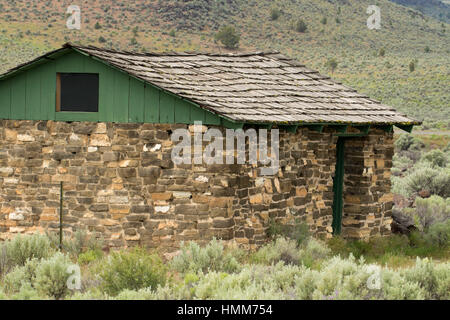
[
  {"x": 18, "y": 97},
  {"x": 136, "y": 106},
  {"x": 5, "y": 101},
  {"x": 31, "y": 95}
]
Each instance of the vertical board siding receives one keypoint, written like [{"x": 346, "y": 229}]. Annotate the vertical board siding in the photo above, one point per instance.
[
  {"x": 197, "y": 114},
  {"x": 166, "y": 108},
  {"x": 71, "y": 62},
  {"x": 48, "y": 91},
  {"x": 18, "y": 96},
  {"x": 31, "y": 94},
  {"x": 182, "y": 111},
  {"x": 121, "y": 97},
  {"x": 106, "y": 97},
  {"x": 211, "y": 118},
  {"x": 151, "y": 111},
  {"x": 5, "y": 100},
  {"x": 136, "y": 103}
]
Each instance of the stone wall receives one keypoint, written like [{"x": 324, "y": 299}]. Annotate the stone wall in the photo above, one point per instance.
[
  {"x": 120, "y": 182},
  {"x": 368, "y": 201}
]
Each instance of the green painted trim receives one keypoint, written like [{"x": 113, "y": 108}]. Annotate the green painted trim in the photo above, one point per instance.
[
  {"x": 338, "y": 187},
  {"x": 314, "y": 127},
  {"x": 212, "y": 118},
  {"x": 388, "y": 128},
  {"x": 407, "y": 128},
  {"x": 291, "y": 129},
  {"x": 362, "y": 128},
  {"x": 340, "y": 128},
  {"x": 231, "y": 125},
  {"x": 38, "y": 61},
  {"x": 267, "y": 126},
  {"x": 76, "y": 116}
]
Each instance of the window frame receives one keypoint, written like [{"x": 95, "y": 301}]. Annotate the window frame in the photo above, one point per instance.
[{"x": 59, "y": 96}]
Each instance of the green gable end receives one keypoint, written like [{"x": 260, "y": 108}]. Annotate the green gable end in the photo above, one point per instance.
[{"x": 30, "y": 94}]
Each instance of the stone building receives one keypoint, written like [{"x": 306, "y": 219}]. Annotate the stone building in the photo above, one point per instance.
[{"x": 101, "y": 121}]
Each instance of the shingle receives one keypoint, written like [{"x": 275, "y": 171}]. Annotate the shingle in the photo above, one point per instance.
[{"x": 254, "y": 87}]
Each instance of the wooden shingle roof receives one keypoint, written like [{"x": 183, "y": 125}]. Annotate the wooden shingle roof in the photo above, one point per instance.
[{"x": 255, "y": 87}]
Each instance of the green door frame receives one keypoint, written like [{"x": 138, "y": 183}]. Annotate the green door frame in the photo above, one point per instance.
[{"x": 338, "y": 187}]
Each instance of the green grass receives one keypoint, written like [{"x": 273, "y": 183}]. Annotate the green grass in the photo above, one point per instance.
[{"x": 394, "y": 251}]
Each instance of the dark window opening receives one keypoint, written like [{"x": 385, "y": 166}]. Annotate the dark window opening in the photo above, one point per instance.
[{"x": 77, "y": 92}]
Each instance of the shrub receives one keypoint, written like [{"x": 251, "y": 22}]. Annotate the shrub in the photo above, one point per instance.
[
  {"x": 89, "y": 256},
  {"x": 430, "y": 277},
  {"x": 425, "y": 177},
  {"x": 382, "y": 52},
  {"x": 323, "y": 21},
  {"x": 52, "y": 275},
  {"x": 331, "y": 64},
  {"x": 436, "y": 157},
  {"x": 253, "y": 282},
  {"x": 228, "y": 36},
  {"x": 274, "y": 14},
  {"x": 412, "y": 66},
  {"x": 439, "y": 234},
  {"x": 314, "y": 252},
  {"x": 396, "y": 287},
  {"x": 48, "y": 277},
  {"x": 442, "y": 273},
  {"x": 4, "y": 260},
  {"x": 26, "y": 292},
  {"x": 407, "y": 142},
  {"x": 141, "y": 294},
  {"x": 17, "y": 251},
  {"x": 300, "y": 26},
  {"x": 212, "y": 257},
  {"x": 281, "y": 249},
  {"x": 90, "y": 295},
  {"x": 298, "y": 231},
  {"x": 288, "y": 251},
  {"x": 20, "y": 276},
  {"x": 338, "y": 279},
  {"x": 80, "y": 241},
  {"x": 135, "y": 269},
  {"x": 341, "y": 278},
  {"x": 430, "y": 211}
]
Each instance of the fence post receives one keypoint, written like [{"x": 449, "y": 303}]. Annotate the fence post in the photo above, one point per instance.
[{"x": 61, "y": 216}]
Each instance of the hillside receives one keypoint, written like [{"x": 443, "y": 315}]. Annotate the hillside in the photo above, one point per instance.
[
  {"x": 435, "y": 8},
  {"x": 336, "y": 29}
]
